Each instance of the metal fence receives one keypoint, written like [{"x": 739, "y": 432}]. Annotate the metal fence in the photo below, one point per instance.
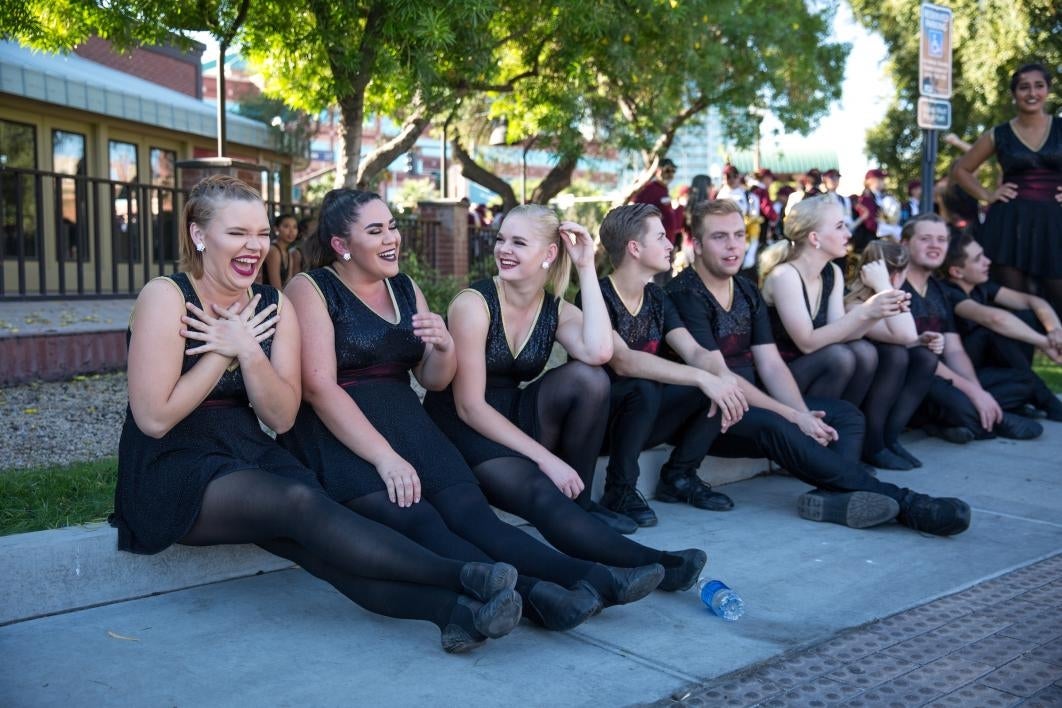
[
  {"x": 481, "y": 252},
  {"x": 421, "y": 237},
  {"x": 74, "y": 236}
]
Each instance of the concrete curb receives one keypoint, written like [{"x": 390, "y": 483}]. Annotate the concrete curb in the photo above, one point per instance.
[{"x": 48, "y": 572}]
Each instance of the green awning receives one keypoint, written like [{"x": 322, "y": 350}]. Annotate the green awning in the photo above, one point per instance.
[{"x": 788, "y": 161}]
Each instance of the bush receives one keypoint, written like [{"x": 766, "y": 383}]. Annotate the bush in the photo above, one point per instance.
[{"x": 438, "y": 289}]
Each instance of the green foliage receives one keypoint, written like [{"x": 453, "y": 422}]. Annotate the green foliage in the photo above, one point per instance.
[
  {"x": 53, "y": 497},
  {"x": 991, "y": 38},
  {"x": 414, "y": 191},
  {"x": 1049, "y": 371},
  {"x": 438, "y": 289}
]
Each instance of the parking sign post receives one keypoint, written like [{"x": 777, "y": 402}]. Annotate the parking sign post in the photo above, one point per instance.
[{"x": 934, "y": 85}]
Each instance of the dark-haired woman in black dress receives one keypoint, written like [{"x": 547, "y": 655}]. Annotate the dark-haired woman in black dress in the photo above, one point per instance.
[
  {"x": 364, "y": 432},
  {"x": 1022, "y": 233},
  {"x": 211, "y": 353},
  {"x": 533, "y": 449}
]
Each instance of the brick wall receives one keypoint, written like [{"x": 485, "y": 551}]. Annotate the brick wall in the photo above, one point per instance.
[
  {"x": 52, "y": 357},
  {"x": 165, "y": 66}
]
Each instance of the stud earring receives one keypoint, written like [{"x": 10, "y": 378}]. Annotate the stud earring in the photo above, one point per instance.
[
  {"x": 545, "y": 265},
  {"x": 818, "y": 246},
  {"x": 346, "y": 256},
  {"x": 200, "y": 246}
]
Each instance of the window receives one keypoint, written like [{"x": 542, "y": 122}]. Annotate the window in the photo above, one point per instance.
[
  {"x": 18, "y": 207},
  {"x": 162, "y": 200},
  {"x": 125, "y": 208},
  {"x": 68, "y": 158}
]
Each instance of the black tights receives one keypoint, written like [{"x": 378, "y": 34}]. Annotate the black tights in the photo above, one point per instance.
[
  {"x": 842, "y": 371},
  {"x": 900, "y": 383},
  {"x": 517, "y": 485},
  {"x": 572, "y": 414},
  {"x": 1016, "y": 279},
  {"x": 457, "y": 522},
  {"x": 376, "y": 567}
]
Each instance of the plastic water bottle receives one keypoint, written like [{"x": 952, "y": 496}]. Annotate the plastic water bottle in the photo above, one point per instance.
[{"x": 720, "y": 599}]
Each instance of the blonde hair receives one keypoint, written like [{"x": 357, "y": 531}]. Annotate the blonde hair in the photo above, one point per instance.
[
  {"x": 545, "y": 225},
  {"x": 805, "y": 216},
  {"x": 896, "y": 257},
  {"x": 202, "y": 207}
]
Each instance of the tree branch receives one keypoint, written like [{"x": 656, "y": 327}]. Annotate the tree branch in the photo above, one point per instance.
[
  {"x": 556, "y": 180},
  {"x": 386, "y": 152},
  {"x": 482, "y": 176}
]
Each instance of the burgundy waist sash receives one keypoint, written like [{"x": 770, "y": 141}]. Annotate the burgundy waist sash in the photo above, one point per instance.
[
  {"x": 1037, "y": 184},
  {"x": 389, "y": 371}
]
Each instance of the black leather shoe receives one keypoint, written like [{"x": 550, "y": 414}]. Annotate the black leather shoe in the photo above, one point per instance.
[
  {"x": 857, "y": 510},
  {"x": 627, "y": 584},
  {"x": 1028, "y": 410},
  {"x": 630, "y": 502},
  {"x": 693, "y": 491},
  {"x": 617, "y": 522},
  {"x": 1014, "y": 427},
  {"x": 940, "y": 516},
  {"x": 886, "y": 459},
  {"x": 559, "y": 609},
  {"x": 683, "y": 574},
  {"x": 958, "y": 436},
  {"x": 903, "y": 452}
]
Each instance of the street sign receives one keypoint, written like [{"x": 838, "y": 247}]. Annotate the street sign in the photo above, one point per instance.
[
  {"x": 934, "y": 114},
  {"x": 934, "y": 59}
]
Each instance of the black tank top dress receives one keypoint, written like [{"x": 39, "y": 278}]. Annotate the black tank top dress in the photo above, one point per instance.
[
  {"x": 786, "y": 346},
  {"x": 373, "y": 361},
  {"x": 1026, "y": 232},
  {"x": 161, "y": 481},
  {"x": 506, "y": 371}
]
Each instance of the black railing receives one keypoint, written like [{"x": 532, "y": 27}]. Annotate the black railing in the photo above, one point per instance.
[
  {"x": 481, "y": 252},
  {"x": 420, "y": 237},
  {"x": 75, "y": 236}
]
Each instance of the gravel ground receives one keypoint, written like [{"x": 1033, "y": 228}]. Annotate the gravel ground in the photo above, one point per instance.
[{"x": 57, "y": 423}]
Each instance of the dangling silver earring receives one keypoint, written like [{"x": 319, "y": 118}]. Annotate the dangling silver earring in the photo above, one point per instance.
[
  {"x": 545, "y": 265},
  {"x": 346, "y": 256},
  {"x": 200, "y": 246},
  {"x": 818, "y": 246}
]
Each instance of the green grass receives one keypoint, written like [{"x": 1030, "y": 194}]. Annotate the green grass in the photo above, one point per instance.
[
  {"x": 1049, "y": 371},
  {"x": 52, "y": 497}
]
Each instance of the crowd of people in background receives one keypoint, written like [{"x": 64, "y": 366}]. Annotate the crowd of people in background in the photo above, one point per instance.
[{"x": 804, "y": 326}]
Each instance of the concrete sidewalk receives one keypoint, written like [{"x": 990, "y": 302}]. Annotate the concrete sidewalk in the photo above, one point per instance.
[{"x": 284, "y": 638}]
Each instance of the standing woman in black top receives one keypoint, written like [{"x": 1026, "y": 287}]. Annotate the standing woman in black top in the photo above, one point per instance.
[
  {"x": 534, "y": 448},
  {"x": 211, "y": 353},
  {"x": 1022, "y": 233}
]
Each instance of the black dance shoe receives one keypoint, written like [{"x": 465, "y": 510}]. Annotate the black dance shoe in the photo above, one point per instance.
[
  {"x": 958, "y": 435},
  {"x": 940, "y": 516},
  {"x": 627, "y": 585},
  {"x": 694, "y": 491},
  {"x": 1014, "y": 427},
  {"x": 886, "y": 459},
  {"x": 491, "y": 620},
  {"x": 683, "y": 574},
  {"x": 558, "y": 609},
  {"x": 897, "y": 449},
  {"x": 630, "y": 502},
  {"x": 485, "y": 580},
  {"x": 1053, "y": 410},
  {"x": 617, "y": 522},
  {"x": 857, "y": 510},
  {"x": 1028, "y": 410}
]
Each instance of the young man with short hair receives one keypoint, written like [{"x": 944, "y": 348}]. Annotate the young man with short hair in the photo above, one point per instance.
[
  {"x": 995, "y": 337},
  {"x": 655, "y": 400},
  {"x": 961, "y": 406},
  {"x": 820, "y": 445}
]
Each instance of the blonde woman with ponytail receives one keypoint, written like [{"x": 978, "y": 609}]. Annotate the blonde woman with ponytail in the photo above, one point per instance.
[
  {"x": 822, "y": 343},
  {"x": 533, "y": 448}
]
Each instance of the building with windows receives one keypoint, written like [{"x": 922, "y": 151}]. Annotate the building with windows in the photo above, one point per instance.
[{"x": 90, "y": 150}]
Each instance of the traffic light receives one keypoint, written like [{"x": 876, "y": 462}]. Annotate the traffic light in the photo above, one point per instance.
[{"x": 411, "y": 163}]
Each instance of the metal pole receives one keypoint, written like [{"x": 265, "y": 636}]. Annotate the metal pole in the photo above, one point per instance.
[
  {"x": 442, "y": 161},
  {"x": 222, "y": 48},
  {"x": 929, "y": 163}
]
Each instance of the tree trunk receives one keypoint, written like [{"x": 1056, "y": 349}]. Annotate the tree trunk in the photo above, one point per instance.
[
  {"x": 482, "y": 176},
  {"x": 555, "y": 180},
  {"x": 385, "y": 154},
  {"x": 351, "y": 117},
  {"x": 652, "y": 157}
]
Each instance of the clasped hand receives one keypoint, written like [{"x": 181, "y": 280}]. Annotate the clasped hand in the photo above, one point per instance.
[{"x": 234, "y": 331}]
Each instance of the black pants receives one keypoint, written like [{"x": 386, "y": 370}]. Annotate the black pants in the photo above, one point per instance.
[
  {"x": 988, "y": 349},
  {"x": 644, "y": 414},
  {"x": 762, "y": 433},
  {"x": 948, "y": 406}
]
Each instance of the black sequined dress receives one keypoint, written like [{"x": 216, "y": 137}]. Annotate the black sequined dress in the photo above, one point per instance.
[
  {"x": 161, "y": 481},
  {"x": 506, "y": 371},
  {"x": 1026, "y": 232},
  {"x": 820, "y": 318},
  {"x": 373, "y": 361}
]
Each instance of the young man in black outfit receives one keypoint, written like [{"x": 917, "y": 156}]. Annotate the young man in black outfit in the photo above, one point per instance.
[
  {"x": 997, "y": 337},
  {"x": 962, "y": 404},
  {"x": 655, "y": 400},
  {"x": 820, "y": 445}
]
